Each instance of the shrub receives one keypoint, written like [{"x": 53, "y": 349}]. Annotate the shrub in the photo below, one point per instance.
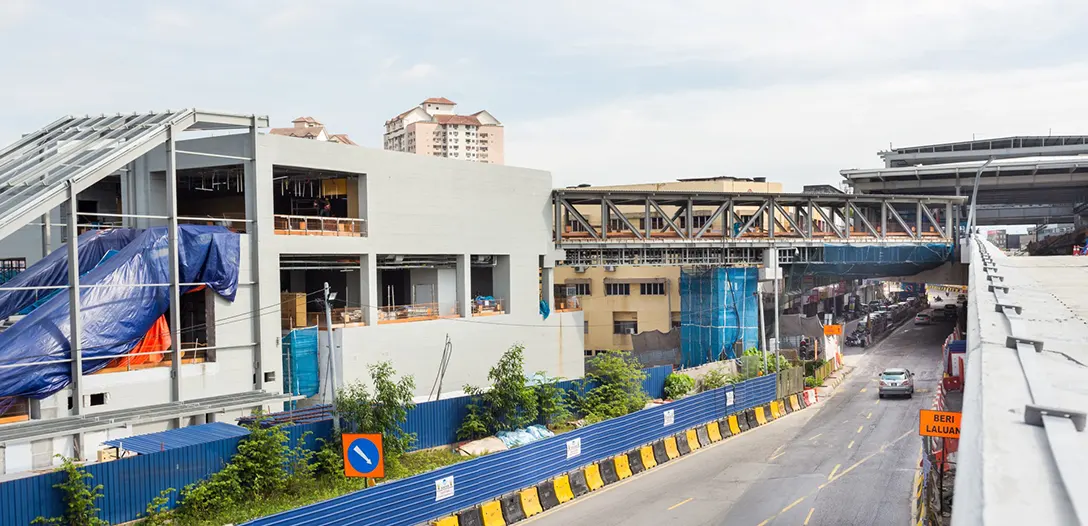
[
  {"x": 716, "y": 378},
  {"x": 383, "y": 411},
  {"x": 508, "y": 404},
  {"x": 157, "y": 512},
  {"x": 79, "y": 498},
  {"x": 551, "y": 400},
  {"x": 677, "y": 385},
  {"x": 810, "y": 381},
  {"x": 618, "y": 391}
]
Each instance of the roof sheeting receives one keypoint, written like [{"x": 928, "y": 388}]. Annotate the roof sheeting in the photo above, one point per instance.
[{"x": 178, "y": 438}]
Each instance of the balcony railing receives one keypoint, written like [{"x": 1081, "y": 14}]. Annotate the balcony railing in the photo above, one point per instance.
[
  {"x": 414, "y": 312},
  {"x": 319, "y": 226},
  {"x": 487, "y": 306}
]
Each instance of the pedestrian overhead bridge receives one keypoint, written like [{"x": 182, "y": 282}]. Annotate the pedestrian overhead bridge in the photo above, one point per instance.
[{"x": 644, "y": 227}]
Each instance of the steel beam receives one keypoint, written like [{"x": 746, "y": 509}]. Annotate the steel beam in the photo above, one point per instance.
[
  {"x": 864, "y": 220},
  {"x": 623, "y": 218},
  {"x": 175, "y": 264},
  {"x": 778, "y": 208},
  {"x": 830, "y": 223},
  {"x": 933, "y": 219},
  {"x": 604, "y": 218},
  {"x": 899, "y": 219},
  {"x": 713, "y": 217},
  {"x": 751, "y": 220},
  {"x": 668, "y": 222},
  {"x": 75, "y": 327},
  {"x": 579, "y": 218}
]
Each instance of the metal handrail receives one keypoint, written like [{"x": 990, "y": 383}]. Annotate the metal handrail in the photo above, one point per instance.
[{"x": 319, "y": 225}]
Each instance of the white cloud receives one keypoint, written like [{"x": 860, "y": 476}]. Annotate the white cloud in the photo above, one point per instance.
[
  {"x": 419, "y": 71},
  {"x": 13, "y": 12},
  {"x": 794, "y": 133}
]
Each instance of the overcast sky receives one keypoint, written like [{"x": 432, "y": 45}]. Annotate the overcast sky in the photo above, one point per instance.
[{"x": 596, "y": 91}]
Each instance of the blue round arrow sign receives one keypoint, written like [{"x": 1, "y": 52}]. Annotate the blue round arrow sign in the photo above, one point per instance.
[{"x": 363, "y": 455}]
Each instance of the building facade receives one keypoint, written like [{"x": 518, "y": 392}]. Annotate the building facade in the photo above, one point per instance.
[
  {"x": 618, "y": 302},
  {"x": 402, "y": 250},
  {"x": 435, "y": 129}
]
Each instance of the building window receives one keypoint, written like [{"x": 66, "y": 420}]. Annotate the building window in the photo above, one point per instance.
[
  {"x": 615, "y": 224},
  {"x": 578, "y": 289},
  {"x": 652, "y": 289},
  {"x": 617, "y": 289},
  {"x": 676, "y": 321},
  {"x": 656, "y": 223},
  {"x": 585, "y": 326},
  {"x": 624, "y": 326}
]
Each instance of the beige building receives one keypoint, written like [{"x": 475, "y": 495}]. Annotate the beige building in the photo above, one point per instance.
[
  {"x": 434, "y": 128},
  {"x": 310, "y": 128},
  {"x": 618, "y": 302}
]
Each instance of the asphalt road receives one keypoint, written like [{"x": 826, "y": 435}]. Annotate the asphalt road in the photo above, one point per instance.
[{"x": 851, "y": 460}]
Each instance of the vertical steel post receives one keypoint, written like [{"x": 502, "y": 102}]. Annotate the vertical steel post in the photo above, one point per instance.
[
  {"x": 332, "y": 360},
  {"x": 777, "y": 342},
  {"x": 75, "y": 328},
  {"x": 688, "y": 219},
  {"x": 647, "y": 224},
  {"x": 883, "y": 220},
  {"x": 47, "y": 233},
  {"x": 770, "y": 227},
  {"x": 253, "y": 194},
  {"x": 918, "y": 220},
  {"x": 604, "y": 218},
  {"x": 175, "y": 270}
]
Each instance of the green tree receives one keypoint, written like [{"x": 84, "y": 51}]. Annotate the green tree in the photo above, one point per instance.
[
  {"x": 618, "y": 391},
  {"x": 508, "y": 404},
  {"x": 677, "y": 385},
  {"x": 551, "y": 399},
  {"x": 385, "y": 410},
  {"x": 79, "y": 498}
]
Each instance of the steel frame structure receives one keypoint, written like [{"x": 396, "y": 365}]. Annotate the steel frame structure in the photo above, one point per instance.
[
  {"x": 708, "y": 228},
  {"x": 53, "y": 165}
]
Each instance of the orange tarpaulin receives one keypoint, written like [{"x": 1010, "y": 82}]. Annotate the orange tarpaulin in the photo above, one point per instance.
[{"x": 157, "y": 339}]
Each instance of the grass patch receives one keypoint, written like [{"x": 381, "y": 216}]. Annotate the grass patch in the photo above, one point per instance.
[{"x": 324, "y": 488}]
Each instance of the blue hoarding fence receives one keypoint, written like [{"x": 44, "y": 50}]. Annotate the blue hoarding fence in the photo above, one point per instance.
[
  {"x": 130, "y": 483},
  {"x": 414, "y": 500}
]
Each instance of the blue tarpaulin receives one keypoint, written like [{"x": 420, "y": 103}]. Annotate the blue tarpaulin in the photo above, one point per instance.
[
  {"x": 718, "y": 308},
  {"x": 300, "y": 362},
  {"x": 115, "y": 317},
  {"x": 52, "y": 271}
]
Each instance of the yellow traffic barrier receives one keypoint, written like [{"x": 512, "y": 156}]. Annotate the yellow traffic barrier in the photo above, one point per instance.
[
  {"x": 593, "y": 477},
  {"x": 714, "y": 431},
  {"x": 623, "y": 466},
  {"x": 562, "y": 489},
  {"x": 794, "y": 403},
  {"x": 647, "y": 454},
  {"x": 693, "y": 440},
  {"x": 734, "y": 427},
  {"x": 670, "y": 448},
  {"x": 775, "y": 412},
  {"x": 761, "y": 418},
  {"x": 447, "y": 521},
  {"x": 530, "y": 502},
  {"x": 492, "y": 513}
]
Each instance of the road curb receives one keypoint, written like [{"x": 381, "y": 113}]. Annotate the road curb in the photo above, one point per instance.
[{"x": 554, "y": 492}]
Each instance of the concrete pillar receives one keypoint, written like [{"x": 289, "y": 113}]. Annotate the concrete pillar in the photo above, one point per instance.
[
  {"x": 500, "y": 277},
  {"x": 370, "y": 289},
  {"x": 547, "y": 275},
  {"x": 464, "y": 285},
  {"x": 141, "y": 192}
]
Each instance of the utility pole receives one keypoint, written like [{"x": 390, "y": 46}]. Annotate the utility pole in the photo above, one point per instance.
[
  {"x": 332, "y": 358},
  {"x": 777, "y": 344}
]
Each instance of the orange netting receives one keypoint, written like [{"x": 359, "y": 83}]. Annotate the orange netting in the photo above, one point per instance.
[{"x": 157, "y": 339}]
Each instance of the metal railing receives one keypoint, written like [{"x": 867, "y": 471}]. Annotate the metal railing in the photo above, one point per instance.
[
  {"x": 488, "y": 307},
  {"x": 319, "y": 226},
  {"x": 414, "y": 312}
]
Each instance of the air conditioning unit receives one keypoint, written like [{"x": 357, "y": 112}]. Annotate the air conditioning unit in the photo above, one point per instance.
[
  {"x": 631, "y": 331},
  {"x": 609, "y": 268},
  {"x": 580, "y": 270}
]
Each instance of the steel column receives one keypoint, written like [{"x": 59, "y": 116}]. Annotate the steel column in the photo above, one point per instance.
[
  {"x": 254, "y": 181},
  {"x": 772, "y": 215},
  {"x": 47, "y": 233},
  {"x": 557, "y": 212},
  {"x": 950, "y": 221},
  {"x": 884, "y": 220},
  {"x": 688, "y": 220},
  {"x": 808, "y": 219},
  {"x": 75, "y": 327},
  {"x": 604, "y": 218},
  {"x": 918, "y": 220},
  {"x": 647, "y": 224},
  {"x": 175, "y": 270}
]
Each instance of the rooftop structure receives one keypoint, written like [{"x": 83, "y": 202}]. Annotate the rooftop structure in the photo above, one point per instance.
[
  {"x": 434, "y": 128},
  {"x": 310, "y": 128},
  {"x": 214, "y": 318},
  {"x": 984, "y": 149},
  {"x": 1026, "y": 351}
]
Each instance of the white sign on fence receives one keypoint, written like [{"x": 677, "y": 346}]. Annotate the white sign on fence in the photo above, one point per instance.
[
  {"x": 574, "y": 447},
  {"x": 443, "y": 488},
  {"x": 728, "y": 398},
  {"x": 670, "y": 417}
]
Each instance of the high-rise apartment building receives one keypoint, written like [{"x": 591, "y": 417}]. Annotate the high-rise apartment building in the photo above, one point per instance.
[{"x": 434, "y": 128}]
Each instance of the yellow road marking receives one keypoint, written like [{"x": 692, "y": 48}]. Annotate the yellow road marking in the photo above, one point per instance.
[
  {"x": 850, "y": 445},
  {"x": 787, "y": 508},
  {"x": 764, "y": 523},
  {"x": 877, "y": 401},
  {"x": 836, "y": 468},
  {"x": 860, "y": 428},
  {"x": 863, "y": 389},
  {"x": 809, "y": 516},
  {"x": 868, "y": 416},
  {"x": 815, "y": 437},
  {"x": 681, "y": 503},
  {"x": 777, "y": 452}
]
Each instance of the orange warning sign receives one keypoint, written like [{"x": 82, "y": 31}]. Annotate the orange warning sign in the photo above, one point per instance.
[
  {"x": 945, "y": 424},
  {"x": 363, "y": 456},
  {"x": 832, "y": 330}
]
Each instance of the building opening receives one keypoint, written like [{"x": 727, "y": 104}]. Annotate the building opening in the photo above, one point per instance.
[
  {"x": 302, "y": 286},
  {"x": 318, "y": 202}
]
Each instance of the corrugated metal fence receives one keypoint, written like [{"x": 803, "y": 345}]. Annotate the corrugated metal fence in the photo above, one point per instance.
[
  {"x": 435, "y": 423},
  {"x": 131, "y": 483},
  {"x": 413, "y": 500}
]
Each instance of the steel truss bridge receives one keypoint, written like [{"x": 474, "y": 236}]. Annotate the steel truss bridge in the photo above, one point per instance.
[{"x": 646, "y": 227}]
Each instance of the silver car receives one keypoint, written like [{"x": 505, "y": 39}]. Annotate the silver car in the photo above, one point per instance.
[{"x": 896, "y": 382}]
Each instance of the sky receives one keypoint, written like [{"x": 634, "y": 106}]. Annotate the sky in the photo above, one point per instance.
[{"x": 599, "y": 92}]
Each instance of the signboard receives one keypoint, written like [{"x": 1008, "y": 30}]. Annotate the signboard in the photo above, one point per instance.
[
  {"x": 443, "y": 488},
  {"x": 832, "y": 330},
  {"x": 728, "y": 398},
  {"x": 945, "y": 424},
  {"x": 363, "y": 456},
  {"x": 670, "y": 417},
  {"x": 574, "y": 448}
]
